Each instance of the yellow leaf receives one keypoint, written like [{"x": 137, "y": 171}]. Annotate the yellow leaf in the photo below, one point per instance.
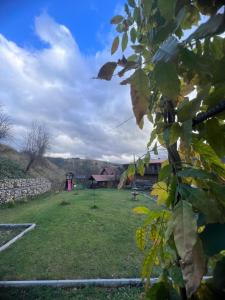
[
  {"x": 141, "y": 238},
  {"x": 160, "y": 190},
  {"x": 141, "y": 210}
]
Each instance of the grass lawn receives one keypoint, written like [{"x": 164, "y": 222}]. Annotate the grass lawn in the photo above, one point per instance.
[
  {"x": 7, "y": 234},
  {"x": 74, "y": 241},
  {"x": 47, "y": 293}
]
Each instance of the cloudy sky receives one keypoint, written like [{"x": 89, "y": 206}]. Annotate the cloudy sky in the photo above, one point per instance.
[{"x": 49, "y": 52}]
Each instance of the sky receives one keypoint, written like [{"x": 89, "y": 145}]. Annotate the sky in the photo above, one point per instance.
[{"x": 49, "y": 52}]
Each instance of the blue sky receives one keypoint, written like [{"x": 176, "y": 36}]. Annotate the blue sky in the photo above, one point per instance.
[
  {"x": 88, "y": 20},
  {"x": 49, "y": 52}
]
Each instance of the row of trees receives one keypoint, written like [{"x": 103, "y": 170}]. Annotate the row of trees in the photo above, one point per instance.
[{"x": 36, "y": 141}]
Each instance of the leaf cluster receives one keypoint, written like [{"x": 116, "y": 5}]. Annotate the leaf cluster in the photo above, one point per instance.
[{"x": 176, "y": 79}]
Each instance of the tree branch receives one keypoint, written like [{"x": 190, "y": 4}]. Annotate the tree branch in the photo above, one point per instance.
[{"x": 210, "y": 113}]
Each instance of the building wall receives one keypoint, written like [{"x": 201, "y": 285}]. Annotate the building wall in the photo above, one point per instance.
[
  {"x": 17, "y": 189},
  {"x": 146, "y": 182}
]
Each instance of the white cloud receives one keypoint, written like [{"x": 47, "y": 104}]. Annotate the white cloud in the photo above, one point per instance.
[{"x": 54, "y": 85}]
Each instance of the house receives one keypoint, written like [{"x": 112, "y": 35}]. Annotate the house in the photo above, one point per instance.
[
  {"x": 150, "y": 176},
  {"x": 108, "y": 177}
]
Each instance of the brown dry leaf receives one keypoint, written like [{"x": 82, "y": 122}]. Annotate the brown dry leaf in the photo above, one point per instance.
[
  {"x": 139, "y": 95},
  {"x": 107, "y": 70},
  {"x": 193, "y": 268}
]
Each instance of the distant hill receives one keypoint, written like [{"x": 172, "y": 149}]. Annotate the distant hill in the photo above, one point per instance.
[
  {"x": 79, "y": 166},
  {"x": 13, "y": 164}
]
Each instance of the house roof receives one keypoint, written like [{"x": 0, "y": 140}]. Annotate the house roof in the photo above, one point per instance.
[
  {"x": 157, "y": 161},
  {"x": 108, "y": 171},
  {"x": 102, "y": 177},
  {"x": 152, "y": 162}
]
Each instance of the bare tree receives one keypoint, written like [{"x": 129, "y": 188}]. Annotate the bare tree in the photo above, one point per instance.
[
  {"x": 36, "y": 143},
  {"x": 5, "y": 125}
]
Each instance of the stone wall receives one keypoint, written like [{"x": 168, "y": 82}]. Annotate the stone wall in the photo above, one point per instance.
[{"x": 17, "y": 189}]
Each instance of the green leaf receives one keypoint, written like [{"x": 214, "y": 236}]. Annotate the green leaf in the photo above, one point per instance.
[
  {"x": 187, "y": 132},
  {"x": 140, "y": 167},
  {"x": 123, "y": 179},
  {"x": 131, "y": 171},
  {"x": 169, "y": 230},
  {"x": 155, "y": 150},
  {"x": 174, "y": 133},
  {"x": 213, "y": 238},
  {"x": 132, "y": 58},
  {"x": 139, "y": 95},
  {"x": 165, "y": 172},
  {"x": 207, "y": 154},
  {"x": 166, "y": 136},
  {"x": 219, "y": 274},
  {"x": 176, "y": 275},
  {"x": 152, "y": 137},
  {"x": 126, "y": 9},
  {"x": 217, "y": 191},
  {"x": 172, "y": 192},
  {"x": 116, "y": 19},
  {"x": 115, "y": 45},
  {"x": 133, "y": 35},
  {"x": 203, "y": 203},
  {"x": 124, "y": 41},
  {"x": 162, "y": 291},
  {"x": 188, "y": 109},
  {"x": 107, "y": 70},
  {"x": 215, "y": 96},
  {"x": 158, "y": 291},
  {"x": 147, "y": 6},
  {"x": 120, "y": 28},
  {"x": 137, "y": 48},
  {"x": 213, "y": 131},
  {"x": 149, "y": 262},
  {"x": 132, "y": 3},
  {"x": 185, "y": 228},
  {"x": 167, "y": 79},
  {"x": 153, "y": 215},
  {"x": 147, "y": 158},
  {"x": 196, "y": 173},
  {"x": 167, "y": 8},
  {"x": 217, "y": 47},
  {"x": 137, "y": 15}
]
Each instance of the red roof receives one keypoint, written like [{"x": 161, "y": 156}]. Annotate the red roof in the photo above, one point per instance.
[{"x": 103, "y": 177}]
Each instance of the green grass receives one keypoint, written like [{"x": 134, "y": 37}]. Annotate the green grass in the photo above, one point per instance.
[
  {"x": 74, "y": 240},
  {"x": 7, "y": 234},
  {"x": 76, "y": 294}
]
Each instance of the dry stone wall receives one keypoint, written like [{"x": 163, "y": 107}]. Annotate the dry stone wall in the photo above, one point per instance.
[{"x": 17, "y": 189}]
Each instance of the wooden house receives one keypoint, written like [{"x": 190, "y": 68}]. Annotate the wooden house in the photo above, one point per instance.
[
  {"x": 107, "y": 178},
  {"x": 150, "y": 176}
]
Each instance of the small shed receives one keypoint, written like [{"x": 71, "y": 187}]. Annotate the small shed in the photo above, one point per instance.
[{"x": 107, "y": 178}]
